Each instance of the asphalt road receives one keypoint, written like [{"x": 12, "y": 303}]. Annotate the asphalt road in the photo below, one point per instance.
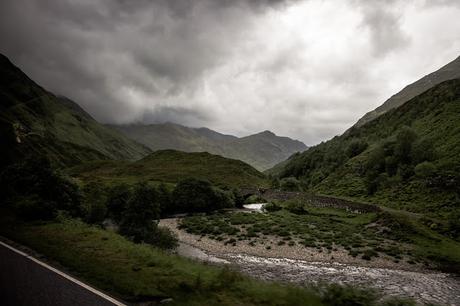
[{"x": 25, "y": 280}]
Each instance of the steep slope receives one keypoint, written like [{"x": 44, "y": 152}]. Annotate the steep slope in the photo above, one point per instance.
[
  {"x": 262, "y": 150},
  {"x": 172, "y": 166},
  {"x": 407, "y": 158},
  {"x": 35, "y": 121},
  {"x": 448, "y": 72}
]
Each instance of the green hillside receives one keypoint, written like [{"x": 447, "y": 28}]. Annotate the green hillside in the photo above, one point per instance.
[
  {"x": 408, "y": 158},
  {"x": 262, "y": 150},
  {"x": 172, "y": 166},
  {"x": 35, "y": 121}
]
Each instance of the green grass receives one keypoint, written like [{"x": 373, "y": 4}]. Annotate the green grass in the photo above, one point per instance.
[
  {"x": 142, "y": 273},
  {"x": 172, "y": 166}
]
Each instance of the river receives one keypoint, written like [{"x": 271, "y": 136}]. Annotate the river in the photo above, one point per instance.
[{"x": 424, "y": 287}]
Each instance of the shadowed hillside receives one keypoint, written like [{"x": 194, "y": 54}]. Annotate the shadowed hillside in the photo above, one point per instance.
[
  {"x": 172, "y": 166},
  {"x": 35, "y": 121},
  {"x": 262, "y": 150}
]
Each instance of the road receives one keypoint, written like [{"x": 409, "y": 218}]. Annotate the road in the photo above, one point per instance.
[{"x": 25, "y": 280}]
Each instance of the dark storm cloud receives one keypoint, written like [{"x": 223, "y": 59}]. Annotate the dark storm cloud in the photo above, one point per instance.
[{"x": 303, "y": 68}]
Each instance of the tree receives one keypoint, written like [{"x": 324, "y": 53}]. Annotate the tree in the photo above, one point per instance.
[
  {"x": 117, "y": 201},
  {"x": 94, "y": 204},
  {"x": 164, "y": 197},
  {"x": 404, "y": 141},
  {"x": 356, "y": 147},
  {"x": 290, "y": 184},
  {"x": 140, "y": 219},
  {"x": 194, "y": 195}
]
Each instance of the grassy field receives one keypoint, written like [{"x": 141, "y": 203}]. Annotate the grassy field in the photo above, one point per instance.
[
  {"x": 394, "y": 235},
  {"x": 172, "y": 166},
  {"x": 142, "y": 273}
]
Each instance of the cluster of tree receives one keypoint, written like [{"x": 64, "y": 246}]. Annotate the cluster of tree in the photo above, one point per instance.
[
  {"x": 400, "y": 158},
  {"x": 314, "y": 165},
  {"x": 35, "y": 191}
]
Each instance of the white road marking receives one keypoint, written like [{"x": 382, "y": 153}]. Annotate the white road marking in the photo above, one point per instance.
[{"x": 70, "y": 278}]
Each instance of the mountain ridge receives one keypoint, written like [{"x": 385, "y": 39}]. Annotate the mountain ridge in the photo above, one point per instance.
[
  {"x": 261, "y": 150},
  {"x": 447, "y": 72},
  {"x": 36, "y": 121}
]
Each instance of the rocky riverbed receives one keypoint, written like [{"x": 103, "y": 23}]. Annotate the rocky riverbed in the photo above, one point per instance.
[{"x": 423, "y": 285}]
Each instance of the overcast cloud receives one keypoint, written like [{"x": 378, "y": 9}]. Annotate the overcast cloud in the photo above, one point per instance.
[{"x": 305, "y": 69}]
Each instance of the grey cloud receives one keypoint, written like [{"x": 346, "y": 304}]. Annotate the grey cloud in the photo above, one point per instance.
[
  {"x": 384, "y": 24},
  {"x": 238, "y": 66}
]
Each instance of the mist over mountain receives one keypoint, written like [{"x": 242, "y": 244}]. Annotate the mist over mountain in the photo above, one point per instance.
[{"x": 262, "y": 150}]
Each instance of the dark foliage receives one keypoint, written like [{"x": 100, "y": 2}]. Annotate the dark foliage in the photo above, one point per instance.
[
  {"x": 36, "y": 191},
  {"x": 139, "y": 220},
  {"x": 194, "y": 195}
]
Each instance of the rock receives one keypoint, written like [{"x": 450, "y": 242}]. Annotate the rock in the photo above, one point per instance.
[{"x": 167, "y": 301}]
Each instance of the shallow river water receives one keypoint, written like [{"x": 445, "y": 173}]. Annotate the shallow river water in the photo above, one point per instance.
[{"x": 426, "y": 287}]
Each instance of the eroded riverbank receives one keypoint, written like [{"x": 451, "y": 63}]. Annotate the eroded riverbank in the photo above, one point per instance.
[{"x": 404, "y": 281}]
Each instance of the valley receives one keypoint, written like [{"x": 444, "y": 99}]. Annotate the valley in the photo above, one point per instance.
[{"x": 159, "y": 212}]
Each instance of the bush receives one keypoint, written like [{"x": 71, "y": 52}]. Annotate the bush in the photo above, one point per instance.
[
  {"x": 272, "y": 207},
  {"x": 337, "y": 295},
  {"x": 425, "y": 170},
  {"x": 163, "y": 238},
  {"x": 295, "y": 206}
]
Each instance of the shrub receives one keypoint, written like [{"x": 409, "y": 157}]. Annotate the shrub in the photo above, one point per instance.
[
  {"x": 295, "y": 206},
  {"x": 425, "y": 170},
  {"x": 163, "y": 238},
  {"x": 272, "y": 207},
  {"x": 348, "y": 296}
]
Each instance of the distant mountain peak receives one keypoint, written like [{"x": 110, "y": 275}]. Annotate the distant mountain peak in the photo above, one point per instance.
[
  {"x": 267, "y": 133},
  {"x": 262, "y": 150}
]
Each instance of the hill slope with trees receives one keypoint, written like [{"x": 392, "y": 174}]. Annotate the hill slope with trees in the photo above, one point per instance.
[{"x": 407, "y": 158}]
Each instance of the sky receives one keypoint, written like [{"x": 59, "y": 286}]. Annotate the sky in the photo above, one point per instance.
[{"x": 307, "y": 69}]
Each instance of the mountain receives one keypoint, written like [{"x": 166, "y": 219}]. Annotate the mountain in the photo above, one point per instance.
[
  {"x": 171, "y": 166},
  {"x": 262, "y": 150},
  {"x": 35, "y": 121},
  {"x": 448, "y": 72},
  {"x": 408, "y": 158}
]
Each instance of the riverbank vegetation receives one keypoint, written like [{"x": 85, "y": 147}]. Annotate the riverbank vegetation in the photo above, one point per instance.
[
  {"x": 393, "y": 235},
  {"x": 142, "y": 273}
]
